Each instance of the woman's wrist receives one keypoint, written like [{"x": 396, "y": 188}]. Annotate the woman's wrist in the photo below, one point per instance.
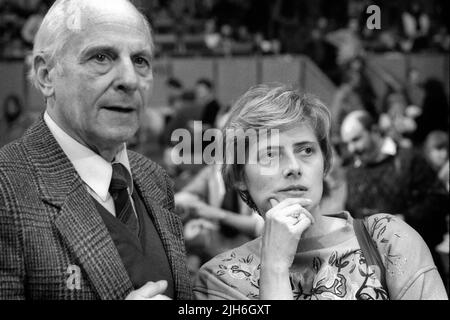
[
  {"x": 274, "y": 282},
  {"x": 275, "y": 268}
]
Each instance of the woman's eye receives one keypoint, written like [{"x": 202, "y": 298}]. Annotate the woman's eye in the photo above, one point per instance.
[
  {"x": 271, "y": 154},
  {"x": 267, "y": 156},
  {"x": 308, "y": 151}
]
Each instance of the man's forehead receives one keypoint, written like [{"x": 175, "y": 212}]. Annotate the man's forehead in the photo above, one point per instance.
[
  {"x": 118, "y": 34},
  {"x": 84, "y": 15},
  {"x": 86, "y": 42}
]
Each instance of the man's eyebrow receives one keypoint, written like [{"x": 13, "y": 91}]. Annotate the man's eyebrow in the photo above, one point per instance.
[
  {"x": 107, "y": 48},
  {"x": 144, "y": 52},
  {"x": 96, "y": 48}
]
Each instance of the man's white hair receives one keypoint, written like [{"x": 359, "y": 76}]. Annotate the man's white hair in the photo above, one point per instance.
[{"x": 66, "y": 17}]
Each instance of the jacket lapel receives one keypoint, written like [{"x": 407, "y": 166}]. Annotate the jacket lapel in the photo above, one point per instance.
[{"x": 77, "y": 220}]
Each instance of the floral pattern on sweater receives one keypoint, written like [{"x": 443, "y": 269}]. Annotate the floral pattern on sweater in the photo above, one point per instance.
[{"x": 333, "y": 267}]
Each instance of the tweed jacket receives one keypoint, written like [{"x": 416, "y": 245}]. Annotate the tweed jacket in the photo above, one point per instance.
[{"x": 53, "y": 242}]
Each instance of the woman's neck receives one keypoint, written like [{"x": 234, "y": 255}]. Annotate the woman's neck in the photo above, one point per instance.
[{"x": 323, "y": 225}]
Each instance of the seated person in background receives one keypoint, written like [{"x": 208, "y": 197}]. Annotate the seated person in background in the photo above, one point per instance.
[
  {"x": 305, "y": 253},
  {"x": 386, "y": 178},
  {"x": 216, "y": 219},
  {"x": 204, "y": 93},
  {"x": 14, "y": 120},
  {"x": 436, "y": 152},
  {"x": 398, "y": 120}
]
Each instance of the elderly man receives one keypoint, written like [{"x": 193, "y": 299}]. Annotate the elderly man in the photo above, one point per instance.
[
  {"x": 80, "y": 216},
  {"x": 386, "y": 178}
]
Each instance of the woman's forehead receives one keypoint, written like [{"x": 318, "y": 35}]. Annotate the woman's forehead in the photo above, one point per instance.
[{"x": 299, "y": 133}]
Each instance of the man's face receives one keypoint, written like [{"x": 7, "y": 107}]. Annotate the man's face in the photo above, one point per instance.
[
  {"x": 438, "y": 157},
  {"x": 359, "y": 141},
  {"x": 105, "y": 80},
  {"x": 202, "y": 93}
]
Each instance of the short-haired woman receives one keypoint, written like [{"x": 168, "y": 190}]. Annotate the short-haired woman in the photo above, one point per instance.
[{"x": 305, "y": 253}]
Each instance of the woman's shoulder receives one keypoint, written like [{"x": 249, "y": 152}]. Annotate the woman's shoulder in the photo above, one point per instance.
[
  {"x": 385, "y": 226},
  {"x": 405, "y": 255},
  {"x": 390, "y": 232},
  {"x": 233, "y": 274}
]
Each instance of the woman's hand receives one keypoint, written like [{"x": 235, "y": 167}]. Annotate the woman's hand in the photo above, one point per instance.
[{"x": 284, "y": 225}]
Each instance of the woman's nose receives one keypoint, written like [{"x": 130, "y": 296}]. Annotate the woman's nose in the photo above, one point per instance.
[{"x": 292, "y": 168}]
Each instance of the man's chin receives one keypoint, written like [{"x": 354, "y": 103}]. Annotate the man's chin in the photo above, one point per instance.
[{"x": 114, "y": 138}]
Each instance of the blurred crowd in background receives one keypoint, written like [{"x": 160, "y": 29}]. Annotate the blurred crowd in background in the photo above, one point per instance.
[
  {"x": 321, "y": 29},
  {"x": 414, "y": 114}
]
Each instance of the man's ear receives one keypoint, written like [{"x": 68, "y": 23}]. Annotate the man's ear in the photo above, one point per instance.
[{"x": 44, "y": 76}]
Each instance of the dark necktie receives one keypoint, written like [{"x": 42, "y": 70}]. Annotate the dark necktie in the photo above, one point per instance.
[{"x": 118, "y": 188}]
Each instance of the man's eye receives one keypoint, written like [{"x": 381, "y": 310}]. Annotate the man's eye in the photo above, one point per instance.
[
  {"x": 99, "y": 57},
  {"x": 141, "y": 61}
]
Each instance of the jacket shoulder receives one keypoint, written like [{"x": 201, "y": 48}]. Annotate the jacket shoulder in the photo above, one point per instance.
[{"x": 14, "y": 163}]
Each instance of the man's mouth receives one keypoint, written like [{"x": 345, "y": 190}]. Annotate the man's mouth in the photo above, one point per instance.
[{"x": 121, "y": 109}]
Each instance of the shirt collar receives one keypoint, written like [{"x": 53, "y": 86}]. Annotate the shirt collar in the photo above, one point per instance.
[
  {"x": 389, "y": 147},
  {"x": 95, "y": 171}
]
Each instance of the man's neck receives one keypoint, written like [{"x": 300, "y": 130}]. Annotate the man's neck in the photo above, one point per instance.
[{"x": 107, "y": 152}]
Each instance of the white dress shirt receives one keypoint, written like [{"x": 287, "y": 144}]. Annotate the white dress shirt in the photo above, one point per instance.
[{"x": 95, "y": 171}]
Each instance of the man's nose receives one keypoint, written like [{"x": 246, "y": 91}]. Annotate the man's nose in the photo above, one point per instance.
[
  {"x": 292, "y": 167},
  {"x": 127, "y": 78}
]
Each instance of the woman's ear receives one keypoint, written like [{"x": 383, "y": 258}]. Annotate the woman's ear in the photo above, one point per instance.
[{"x": 44, "y": 76}]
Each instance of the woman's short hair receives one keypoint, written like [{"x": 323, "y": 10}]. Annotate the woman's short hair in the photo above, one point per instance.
[{"x": 271, "y": 106}]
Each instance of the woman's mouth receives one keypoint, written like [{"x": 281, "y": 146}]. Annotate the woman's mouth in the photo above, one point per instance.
[{"x": 294, "y": 191}]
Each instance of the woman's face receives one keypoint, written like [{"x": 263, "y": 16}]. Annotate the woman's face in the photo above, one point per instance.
[{"x": 296, "y": 166}]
